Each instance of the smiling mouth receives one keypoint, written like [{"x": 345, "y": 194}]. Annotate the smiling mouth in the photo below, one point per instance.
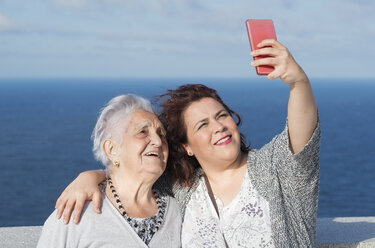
[
  {"x": 224, "y": 141},
  {"x": 153, "y": 154}
]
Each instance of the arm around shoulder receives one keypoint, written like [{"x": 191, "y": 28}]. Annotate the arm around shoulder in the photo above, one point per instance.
[{"x": 83, "y": 188}]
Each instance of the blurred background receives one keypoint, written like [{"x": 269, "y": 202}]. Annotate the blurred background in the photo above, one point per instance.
[{"x": 62, "y": 60}]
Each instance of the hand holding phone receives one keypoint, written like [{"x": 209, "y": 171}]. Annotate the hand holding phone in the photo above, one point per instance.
[{"x": 259, "y": 30}]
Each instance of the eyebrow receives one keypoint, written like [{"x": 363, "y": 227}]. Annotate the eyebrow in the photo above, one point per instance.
[
  {"x": 147, "y": 125},
  {"x": 205, "y": 119},
  {"x": 220, "y": 111},
  {"x": 142, "y": 125}
]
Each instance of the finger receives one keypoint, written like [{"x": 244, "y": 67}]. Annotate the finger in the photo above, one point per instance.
[
  {"x": 96, "y": 200},
  {"x": 270, "y": 42},
  {"x": 60, "y": 205},
  {"x": 61, "y": 200},
  {"x": 264, "y": 51},
  {"x": 272, "y": 75},
  {"x": 275, "y": 74},
  {"x": 78, "y": 207},
  {"x": 68, "y": 211},
  {"x": 58, "y": 201},
  {"x": 265, "y": 61}
]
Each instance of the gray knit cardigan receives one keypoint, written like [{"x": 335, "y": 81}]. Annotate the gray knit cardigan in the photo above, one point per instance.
[{"x": 289, "y": 182}]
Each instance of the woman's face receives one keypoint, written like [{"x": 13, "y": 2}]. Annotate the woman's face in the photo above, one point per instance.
[
  {"x": 144, "y": 147},
  {"x": 212, "y": 134}
]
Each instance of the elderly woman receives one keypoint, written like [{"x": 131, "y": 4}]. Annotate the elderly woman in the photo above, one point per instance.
[
  {"x": 230, "y": 195},
  {"x": 130, "y": 141}
]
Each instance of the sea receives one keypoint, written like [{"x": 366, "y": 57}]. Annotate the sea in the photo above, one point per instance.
[{"x": 45, "y": 128}]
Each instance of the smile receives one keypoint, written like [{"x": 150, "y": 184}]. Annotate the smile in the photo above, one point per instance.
[
  {"x": 153, "y": 154},
  {"x": 224, "y": 141}
]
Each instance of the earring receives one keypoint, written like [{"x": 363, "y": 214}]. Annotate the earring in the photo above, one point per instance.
[
  {"x": 117, "y": 164},
  {"x": 190, "y": 153}
]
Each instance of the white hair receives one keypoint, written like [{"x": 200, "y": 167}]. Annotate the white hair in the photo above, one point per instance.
[{"x": 108, "y": 123}]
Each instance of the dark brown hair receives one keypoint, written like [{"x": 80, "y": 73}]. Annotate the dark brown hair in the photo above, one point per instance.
[{"x": 182, "y": 167}]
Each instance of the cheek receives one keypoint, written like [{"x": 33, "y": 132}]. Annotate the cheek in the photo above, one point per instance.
[
  {"x": 136, "y": 148},
  {"x": 201, "y": 139},
  {"x": 165, "y": 150},
  {"x": 232, "y": 125}
]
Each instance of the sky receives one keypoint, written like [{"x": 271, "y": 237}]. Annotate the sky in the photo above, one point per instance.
[{"x": 180, "y": 38}]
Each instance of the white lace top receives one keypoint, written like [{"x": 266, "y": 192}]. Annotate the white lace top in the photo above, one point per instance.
[{"x": 245, "y": 222}]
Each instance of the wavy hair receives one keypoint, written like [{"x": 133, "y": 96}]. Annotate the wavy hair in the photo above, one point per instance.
[{"x": 181, "y": 167}]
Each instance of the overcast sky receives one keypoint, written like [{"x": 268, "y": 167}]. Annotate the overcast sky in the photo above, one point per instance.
[{"x": 180, "y": 38}]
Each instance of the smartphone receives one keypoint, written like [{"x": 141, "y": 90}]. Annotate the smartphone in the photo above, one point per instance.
[{"x": 259, "y": 30}]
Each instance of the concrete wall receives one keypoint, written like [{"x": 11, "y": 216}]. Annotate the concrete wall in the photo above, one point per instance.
[
  {"x": 19, "y": 237},
  {"x": 347, "y": 232}
]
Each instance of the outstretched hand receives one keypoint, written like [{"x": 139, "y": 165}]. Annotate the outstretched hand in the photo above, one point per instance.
[
  {"x": 286, "y": 68},
  {"x": 302, "y": 109},
  {"x": 83, "y": 188}
]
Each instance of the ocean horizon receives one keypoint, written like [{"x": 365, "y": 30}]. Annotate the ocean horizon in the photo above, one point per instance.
[{"x": 45, "y": 129}]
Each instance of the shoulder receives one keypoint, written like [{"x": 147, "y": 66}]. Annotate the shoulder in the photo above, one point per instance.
[
  {"x": 183, "y": 193},
  {"x": 88, "y": 215},
  {"x": 52, "y": 223},
  {"x": 173, "y": 204},
  {"x": 173, "y": 211},
  {"x": 57, "y": 234}
]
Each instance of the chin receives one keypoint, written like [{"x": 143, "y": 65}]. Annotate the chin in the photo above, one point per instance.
[
  {"x": 231, "y": 155},
  {"x": 156, "y": 169}
]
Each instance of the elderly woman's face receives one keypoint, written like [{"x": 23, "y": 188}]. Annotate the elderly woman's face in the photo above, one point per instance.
[{"x": 144, "y": 147}]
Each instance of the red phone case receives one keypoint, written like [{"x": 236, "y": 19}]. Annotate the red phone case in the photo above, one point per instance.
[{"x": 259, "y": 30}]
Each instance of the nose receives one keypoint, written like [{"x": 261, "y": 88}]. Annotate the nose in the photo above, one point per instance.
[
  {"x": 155, "y": 140},
  {"x": 218, "y": 126}
]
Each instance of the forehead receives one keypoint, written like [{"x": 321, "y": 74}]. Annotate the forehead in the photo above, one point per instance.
[
  {"x": 200, "y": 109},
  {"x": 140, "y": 118}
]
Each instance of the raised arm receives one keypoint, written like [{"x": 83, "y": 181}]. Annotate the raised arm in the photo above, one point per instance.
[
  {"x": 302, "y": 109},
  {"x": 83, "y": 188}
]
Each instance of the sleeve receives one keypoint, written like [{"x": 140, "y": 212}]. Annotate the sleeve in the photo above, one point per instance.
[
  {"x": 296, "y": 174},
  {"x": 297, "y": 178},
  {"x": 290, "y": 182},
  {"x": 56, "y": 234}
]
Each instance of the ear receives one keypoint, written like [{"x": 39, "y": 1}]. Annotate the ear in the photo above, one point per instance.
[
  {"x": 109, "y": 148},
  {"x": 188, "y": 150}
]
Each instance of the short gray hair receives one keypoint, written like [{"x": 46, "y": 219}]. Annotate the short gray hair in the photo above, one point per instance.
[{"x": 110, "y": 116}]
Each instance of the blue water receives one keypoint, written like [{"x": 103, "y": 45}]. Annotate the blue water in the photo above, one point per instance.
[{"x": 45, "y": 127}]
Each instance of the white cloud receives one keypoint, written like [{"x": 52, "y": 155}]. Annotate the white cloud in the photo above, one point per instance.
[
  {"x": 209, "y": 31},
  {"x": 5, "y": 23}
]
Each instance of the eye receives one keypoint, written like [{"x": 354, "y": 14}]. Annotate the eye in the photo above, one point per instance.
[
  {"x": 142, "y": 133},
  {"x": 223, "y": 115},
  {"x": 161, "y": 132},
  {"x": 202, "y": 125},
  {"x": 162, "y": 135}
]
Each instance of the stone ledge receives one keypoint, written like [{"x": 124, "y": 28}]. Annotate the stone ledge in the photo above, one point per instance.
[
  {"x": 19, "y": 237},
  {"x": 348, "y": 232}
]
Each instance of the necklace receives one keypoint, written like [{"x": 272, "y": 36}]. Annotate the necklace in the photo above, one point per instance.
[{"x": 132, "y": 221}]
